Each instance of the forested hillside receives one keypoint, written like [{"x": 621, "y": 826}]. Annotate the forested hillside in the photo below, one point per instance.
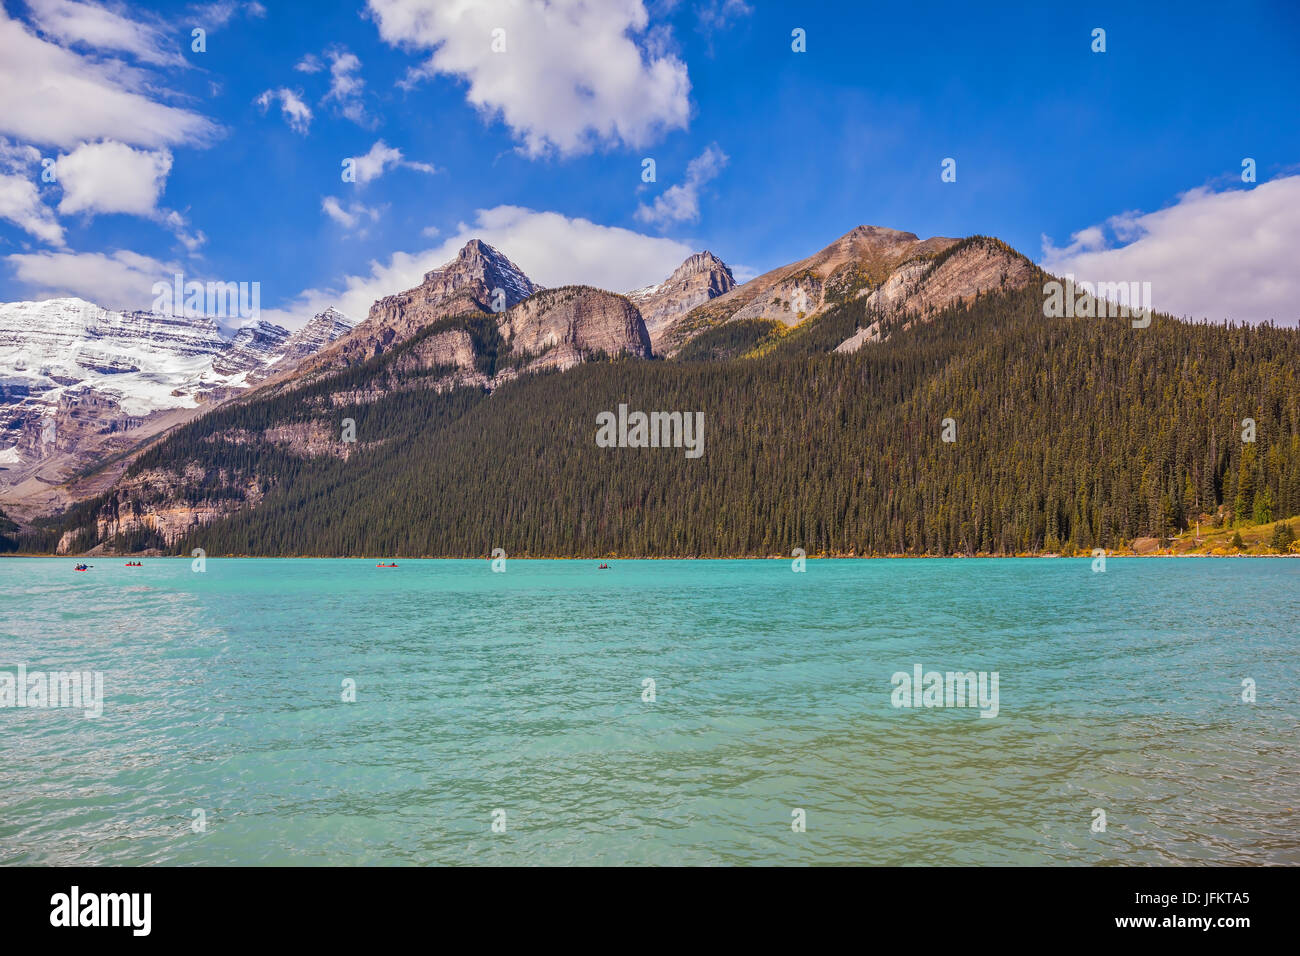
[
  {"x": 8, "y": 534},
  {"x": 1070, "y": 434}
]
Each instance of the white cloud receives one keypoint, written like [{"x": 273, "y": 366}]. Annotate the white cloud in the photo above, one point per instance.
[
  {"x": 17, "y": 156},
  {"x": 350, "y": 216},
  {"x": 123, "y": 280},
  {"x": 214, "y": 16},
  {"x": 72, "y": 21},
  {"x": 381, "y": 156},
  {"x": 112, "y": 177},
  {"x": 573, "y": 74},
  {"x": 415, "y": 75},
  {"x": 1216, "y": 255},
  {"x": 551, "y": 248},
  {"x": 309, "y": 64},
  {"x": 681, "y": 203},
  {"x": 52, "y": 95},
  {"x": 20, "y": 203},
  {"x": 345, "y": 86},
  {"x": 20, "y": 199},
  {"x": 714, "y": 15},
  {"x": 177, "y": 223},
  {"x": 296, "y": 113}
]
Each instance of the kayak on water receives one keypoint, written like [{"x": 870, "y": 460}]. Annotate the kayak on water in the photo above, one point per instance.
[
  {"x": 385, "y": 565},
  {"x": 83, "y": 567}
]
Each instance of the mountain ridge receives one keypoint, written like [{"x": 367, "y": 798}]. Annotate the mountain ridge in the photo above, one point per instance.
[
  {"x": 478, "y": 322},
  {"x": 838, "y": 454},
  {"x": 857, "y": 264}
]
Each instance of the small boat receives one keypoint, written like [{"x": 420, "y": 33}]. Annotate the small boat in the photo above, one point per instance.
[
  {"x": 81, "y": 567},
  {"x": 386, "y": 565},
  {"x": 602, "y": 566}
]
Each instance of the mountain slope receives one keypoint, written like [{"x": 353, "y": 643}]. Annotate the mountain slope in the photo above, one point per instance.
[
  {"x": 853, "y": 264},
  {"x": 898, "y": 276},
  {"x": 921, "y": 287}
]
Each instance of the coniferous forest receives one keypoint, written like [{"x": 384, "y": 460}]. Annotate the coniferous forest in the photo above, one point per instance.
[{"x": 1069, "y": 434}]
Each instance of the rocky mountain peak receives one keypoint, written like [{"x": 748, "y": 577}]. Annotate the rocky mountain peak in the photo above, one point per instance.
[
  {"x": 479, "y": 280},
  {"x": 324, "y": 328},
  {"x": 920, "y": 287},
  {"x": 878, "y": 246},
  {"x": 330, "y": 315},
  {"x": 881, "y": 233},
  {"x": 703, "y": 276},
  {"x": 480, "y": 270},
  {"x": 702, "y": 263},
  {"x": 893, "y": 269}
]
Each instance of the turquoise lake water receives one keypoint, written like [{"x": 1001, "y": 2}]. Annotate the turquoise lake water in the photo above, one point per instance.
[{"x": 522, "y": 691}]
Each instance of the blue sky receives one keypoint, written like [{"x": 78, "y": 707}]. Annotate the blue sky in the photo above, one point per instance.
[{"x": 226, "y": 164}]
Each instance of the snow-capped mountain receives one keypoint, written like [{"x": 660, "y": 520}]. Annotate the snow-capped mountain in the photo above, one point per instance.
[
  {"x": 142, "y": 360},
  {"x": 250, "y": 348},
  {"x": 71, "y": 370},
  {"x": 315, "y": 335}
]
